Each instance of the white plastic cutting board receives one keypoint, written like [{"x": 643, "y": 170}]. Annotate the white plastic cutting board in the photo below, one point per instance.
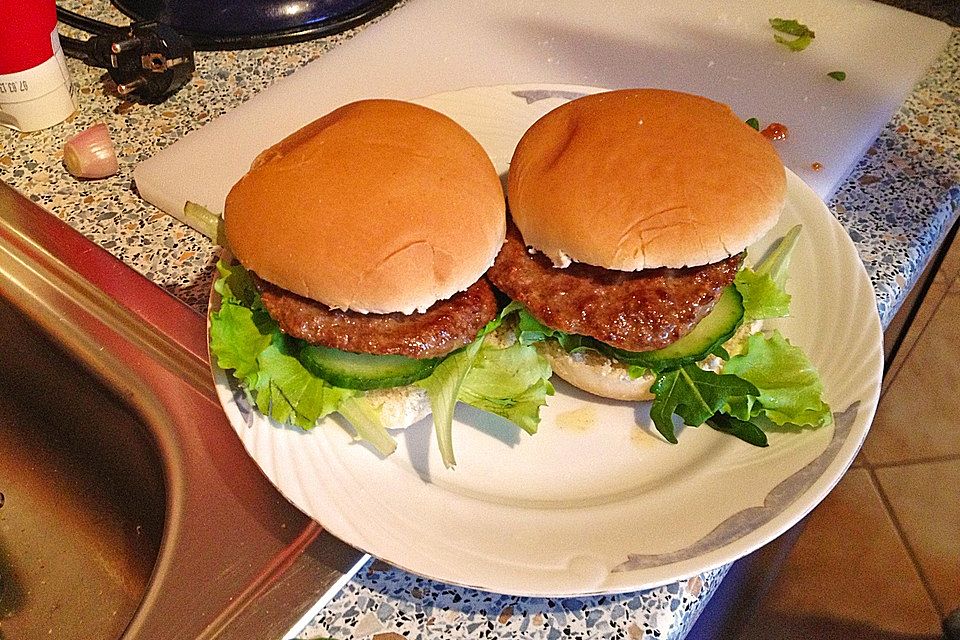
[{"x": 723, "y": 49}]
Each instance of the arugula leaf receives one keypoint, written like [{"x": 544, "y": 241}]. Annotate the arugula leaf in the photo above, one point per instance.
[
  {"x": 839, "y": 76},
  {"x": 529, "y": 329},
  {"x": 694, "y": 395},
  {"x": 790, "y": 389},
  {"x": 804, "y": 35},
  {"x": 746, "y": 431},
  {"x": 637, "y": 371},
  {"x": 784, "y": 388}
]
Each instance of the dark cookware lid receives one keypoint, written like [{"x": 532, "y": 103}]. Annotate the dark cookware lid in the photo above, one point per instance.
[{"x": 242, "y": 24}]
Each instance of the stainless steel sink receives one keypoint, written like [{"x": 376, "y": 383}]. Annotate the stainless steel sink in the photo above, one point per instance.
[
  {"x": 129, "y": 508},
  {"x": 83, "y": 494}
]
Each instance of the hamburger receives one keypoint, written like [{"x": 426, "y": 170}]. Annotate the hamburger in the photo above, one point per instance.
[
  {"x": 360, "y": 244},
  {"x": 626, "y": 257}
]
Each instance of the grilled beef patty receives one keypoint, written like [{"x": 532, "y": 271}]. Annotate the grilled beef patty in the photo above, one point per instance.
[
  {"x": 632, "y": 310},
  {"x": 446, "y": 326}
]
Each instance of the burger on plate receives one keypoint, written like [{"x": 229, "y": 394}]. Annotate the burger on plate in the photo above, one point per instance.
[
  {"x": 361, "y": 242},
  {"x": 631, "y": 214}
]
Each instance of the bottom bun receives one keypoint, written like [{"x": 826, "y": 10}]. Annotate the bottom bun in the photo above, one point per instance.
[
  {"x": 400, "y": 407},
  {"x": 596, "y": 374}
]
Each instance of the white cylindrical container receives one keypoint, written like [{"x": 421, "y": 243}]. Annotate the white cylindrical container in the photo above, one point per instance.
[{"x": 35, "y": 87}]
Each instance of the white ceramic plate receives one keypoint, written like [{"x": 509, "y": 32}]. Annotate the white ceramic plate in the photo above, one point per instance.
[{"x": 596, "y": 501}]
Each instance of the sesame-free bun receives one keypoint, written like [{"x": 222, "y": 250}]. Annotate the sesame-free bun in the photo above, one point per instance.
[
  {"x": 643, "y": 178},
  {"x": 399, "y": 407},
  {"x": 379, "y": 206},
  {"x": 596, "y": 373}
]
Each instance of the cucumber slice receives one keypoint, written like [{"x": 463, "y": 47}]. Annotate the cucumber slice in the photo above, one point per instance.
[
  {"x": 364, "y": 371},
  {"x": 716, "y": 328}
]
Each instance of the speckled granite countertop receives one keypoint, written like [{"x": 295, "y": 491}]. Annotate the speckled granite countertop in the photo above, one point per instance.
[{"x": 897, "y": 206}]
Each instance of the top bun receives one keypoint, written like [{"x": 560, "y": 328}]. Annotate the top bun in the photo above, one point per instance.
[
  {"x": 380, "y": 206},
  {"x": 644, "y": 178}
]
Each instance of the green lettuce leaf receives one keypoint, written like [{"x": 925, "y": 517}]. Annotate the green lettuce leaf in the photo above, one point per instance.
[
  {"x": 291, "y": 393},
  {"x": 763, "y": 287},
  {"x": 797, "y": 44},
  {"x": 803, "y": 34},
  {"x": 790, "y": 27},
  {"x": 790, "y": 389},
  {"x": 278, "y": 384},
  {"x": 777, "y": 262},
  {"x": 512, "y": 382},
  {"x": 235, "y": 340},
  {"x": 443, "y": 388},
  {"x": 742, "y": 407},
  {"x": 235, "y": 285},
  {"x": 368, "y": 424},
  {"x": 244, "y": 339},
  {"x": 762, "y": 298}
]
